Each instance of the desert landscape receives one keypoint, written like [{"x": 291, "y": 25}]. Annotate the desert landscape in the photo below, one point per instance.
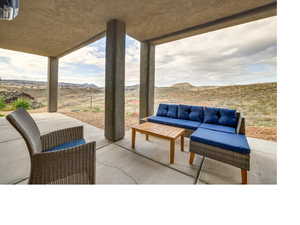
[{"x": 257, "y": 102}]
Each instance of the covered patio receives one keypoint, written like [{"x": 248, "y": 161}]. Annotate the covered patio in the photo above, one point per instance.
[
  {"x": 118, "y": 163},
  {"x": 56, "y": 28}
]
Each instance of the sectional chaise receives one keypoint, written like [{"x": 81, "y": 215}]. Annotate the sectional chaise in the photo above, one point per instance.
[{"x": 216, "y": 133}]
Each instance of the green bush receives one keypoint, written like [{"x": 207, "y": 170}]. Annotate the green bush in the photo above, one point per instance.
[
  {"x": 2, "y": 103},
  {"x": 21, "y": 103},
  {"x": 96, "y": 109}
]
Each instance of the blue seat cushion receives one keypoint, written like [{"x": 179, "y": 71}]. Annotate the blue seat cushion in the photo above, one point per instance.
[
  {"x": 227, "y": 141},
  {"x": 162, "y": 110},
  {"x": 228, "y": 117},
  {"x": 187, "y": 124},
  {"x": 172, "y": 111},
  {"x": 218, "y": 127},
  {"x": 67, "y": 145},
  {"x": 211, "y": 115}
]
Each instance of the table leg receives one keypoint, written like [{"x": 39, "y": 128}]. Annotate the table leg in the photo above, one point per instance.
[
  {"x": 182, "y": 143},
  {"x": 192, "y": 156},
  {"x": 133, "y": 137},
  {"x": 244, "y": 176},
  {"x": 147, "y": 137},
  {"x": 172, "y": 151}
]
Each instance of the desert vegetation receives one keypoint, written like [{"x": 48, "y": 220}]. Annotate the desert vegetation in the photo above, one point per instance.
[
  {"x": 6, "y": 105},
  {"x": 257, "y": 102}
]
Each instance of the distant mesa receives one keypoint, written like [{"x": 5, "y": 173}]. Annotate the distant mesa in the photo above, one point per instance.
[
  {"x": 183, "y": 85},
  {"x": 85, "y": 85},
  {"x": 132, "y": 87},
  {"x": 44, "y": 83},
  {"x": 39, "y": 84}
]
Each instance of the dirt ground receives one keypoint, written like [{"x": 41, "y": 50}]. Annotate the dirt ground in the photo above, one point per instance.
[
  {"x": 257, "y": 102},
  {"x": 97, "y": 120}
]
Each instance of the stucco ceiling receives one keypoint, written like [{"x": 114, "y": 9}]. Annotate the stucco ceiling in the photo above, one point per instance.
[{"x": 52, "y": 27}]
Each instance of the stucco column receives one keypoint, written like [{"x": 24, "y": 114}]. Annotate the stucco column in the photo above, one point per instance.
[
  {"x": 115, "y": 80},
  {"x": 147, "y": 79},
  {"x": 52, "y": 83}
]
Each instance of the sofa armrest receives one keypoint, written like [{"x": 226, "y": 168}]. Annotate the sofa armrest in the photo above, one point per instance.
[
  {"x": 59, "y": 137},
  {"x": 145, "y": 119},
  {"x": 241, "y": 128}
]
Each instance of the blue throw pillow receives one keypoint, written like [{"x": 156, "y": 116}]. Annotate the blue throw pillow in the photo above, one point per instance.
[
  {"x": 162, "y": 110},
  {"x": 196, "y": 113},
  {"x": 211, "y": 115},
  {"x": 172, "y": 111},
  {"x": 228, "y": 117},
  {"x": 184, "y": 111}
]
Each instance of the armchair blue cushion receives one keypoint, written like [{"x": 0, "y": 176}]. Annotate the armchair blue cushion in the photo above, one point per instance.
[
  {"x": 172, "y": 111},
  {"x": 228, "y": 117},
  {"x": 67, "y": 145},
  {"x": 162, "y": 110},
  {"x": 233, "y": 142},
  {"x": 211, "y": 115}
]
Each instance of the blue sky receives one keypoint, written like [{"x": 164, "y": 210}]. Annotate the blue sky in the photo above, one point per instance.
[{"x": 237, "y": 55}]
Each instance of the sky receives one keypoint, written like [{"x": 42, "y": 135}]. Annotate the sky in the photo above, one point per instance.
[{"x": 241, "y": 54}]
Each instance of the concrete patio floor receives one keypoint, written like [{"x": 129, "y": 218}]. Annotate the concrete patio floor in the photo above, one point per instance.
[{"x": 117, "y": 163}]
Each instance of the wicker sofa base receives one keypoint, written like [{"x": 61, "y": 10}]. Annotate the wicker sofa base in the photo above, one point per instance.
[{"x": 233, "y": 158}]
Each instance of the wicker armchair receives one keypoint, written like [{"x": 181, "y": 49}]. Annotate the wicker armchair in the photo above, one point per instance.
[{"x": 55, "y": 159}]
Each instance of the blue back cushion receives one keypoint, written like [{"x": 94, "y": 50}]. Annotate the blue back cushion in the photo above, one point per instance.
[
  {"x": 187, "y": 112},
  {"x": 228, "y": 117},
  {"x": 172, "y": 111},
  {"x": 211, "y": 115},
  {"x": 196, "y": 113},
  {"x": 184, "y": 112},
  {"x": 162, "y": 110},
  {"x": 167, "y": 110}
]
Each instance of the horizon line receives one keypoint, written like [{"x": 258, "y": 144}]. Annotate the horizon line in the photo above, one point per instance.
[{"x": 162, "y": 86}]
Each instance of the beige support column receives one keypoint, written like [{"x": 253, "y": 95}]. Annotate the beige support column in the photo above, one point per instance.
[
  {"x": 115, "y": 80},
  {"x": 52, "y": 83},
  {"x": 147, "y": 79}
]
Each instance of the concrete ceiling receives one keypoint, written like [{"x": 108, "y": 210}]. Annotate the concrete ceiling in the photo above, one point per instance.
[{"x": 56, "y": 27}]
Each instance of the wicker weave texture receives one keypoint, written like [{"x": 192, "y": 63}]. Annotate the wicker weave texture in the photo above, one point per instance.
[
  {"x": 59, "y": 137},
  {"x": 233, "y": 158},
  {"x": 75, "y": 165}
]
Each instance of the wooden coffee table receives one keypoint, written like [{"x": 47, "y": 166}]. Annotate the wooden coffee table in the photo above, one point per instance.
[{"x": 161, "y": 131}]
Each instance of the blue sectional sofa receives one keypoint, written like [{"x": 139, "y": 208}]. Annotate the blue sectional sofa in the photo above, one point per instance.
[{"x": 217, "y": 133}]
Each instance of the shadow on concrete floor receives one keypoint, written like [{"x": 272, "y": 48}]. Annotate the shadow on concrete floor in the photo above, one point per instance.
[{"x": 117, "y": 163}]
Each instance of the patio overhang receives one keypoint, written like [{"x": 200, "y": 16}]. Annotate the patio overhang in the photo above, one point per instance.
[{"x": 56, "y": 28}]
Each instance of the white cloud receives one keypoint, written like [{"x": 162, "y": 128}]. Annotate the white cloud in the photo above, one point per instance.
[
  {"x": 91, "y": 55},
  {"x": 18, "y": 65},
  {"x": 88, "y": 55},
  {"x": 221, "y": 57},
  {"x": 132, "y": 63},
  {"x": 240, "y": 54}
]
